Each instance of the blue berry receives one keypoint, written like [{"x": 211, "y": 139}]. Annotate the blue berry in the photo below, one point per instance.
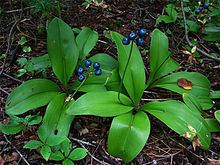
[
  {"x": 132, "y": 35},
  {"x": 206, "y": 6},
  {"x": 197, "y": 11},
  {"x": 81, "y": 78},
  {"x": 140, "y": 41},
  {"x": 200, "y": 8},
  {"x": 142, "y": 32},
  {"x": 88, "y": 63},
  {"x": 126, "y": 41},
  {"x": 80, "y": 70},
  {"x": 96, "y": 65},
  {"x": 98, "y": 72}
]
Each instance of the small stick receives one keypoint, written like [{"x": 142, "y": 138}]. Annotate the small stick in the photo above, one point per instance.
[
  {"x": 99, "y": 161},
  {"x": 15, "y": 79},
  {"x": 83, "y": 142},
  {"x": 16, "y": 150},
  {"x": 4, "y": 91}
]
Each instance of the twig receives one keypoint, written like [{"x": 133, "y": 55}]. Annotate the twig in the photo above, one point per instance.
[
  {"x": 83, "y": 142},
  {"x": 4, "y": 91},
  {"x": 99, "y": 161},
  {"x": 15, "y": 79},
  {"x": 19, "y": 10},
  {"x": 16, "y": 150},
  {"x": 187, "y": 37},
  {"x": 9, "y": 45}
]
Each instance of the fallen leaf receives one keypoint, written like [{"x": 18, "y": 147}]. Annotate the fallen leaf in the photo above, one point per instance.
[
  {"x": 184, "y": 83},
  {"x": 193, "y": 50},
  {"x": 83, "y": 131},
  {"x": 214, "y": 162},
  {"x": 196, "y": 142}
]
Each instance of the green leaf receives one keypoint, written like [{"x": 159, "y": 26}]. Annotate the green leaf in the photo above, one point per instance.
[
  {"x": 100, "y": 104},
  {"x": 26, "y": 49},
  {"x": 160, "y": 61},
  {"x": 65, "y": 146},
  {"x": 181, "y": 119},
  {"x": 78, "y": 154},
  {"x": 40, "y": 63},
  {"x": 134, "y": 79},
  {"x": 29, "y": 95},
  {"x": 12, "y": 127},
  {"x": 200, "y": 86},
  {"x": 128, "y": 135},
  {"x": 217, "y": 115},
  {"x": 33, "y": 120},
  {"x": 215, "y": 95},
  {"x": 56, "y": 156},
  {"x": 45, "y": 152},
  {"x": 171, "y": 17},
  {"x": 22, "y": 41},
  {"x": 213, "y": 124},
  {"x": 56, "y": 123},
  {"x": 86, "y": 41},
  {"x": 106, "y": 61},
  {"x": 62, "y": 49},
  {"x": 33, "y": 144},
  {"x": 67, "y": 162},
  {"x": 192, "y": 26},
  {"x": 192, "y": 102}
]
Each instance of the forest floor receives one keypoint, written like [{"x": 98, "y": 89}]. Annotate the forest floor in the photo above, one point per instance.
[{"x": 164, "y": 146}]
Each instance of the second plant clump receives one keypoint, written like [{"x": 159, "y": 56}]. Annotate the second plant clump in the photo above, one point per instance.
[{"x": 113, "y": 88}]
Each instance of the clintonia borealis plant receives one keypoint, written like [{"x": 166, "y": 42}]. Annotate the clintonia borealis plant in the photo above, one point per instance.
[
  {"x": 75, "y": 73},
  {"x": 130, "y": 126}
]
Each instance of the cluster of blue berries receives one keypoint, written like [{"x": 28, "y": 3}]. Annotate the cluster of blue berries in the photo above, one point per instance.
[
  {"x": 88, "y": 63},
  {"x": 138, "y": 35},
  {"x": 200, "y": 9}
]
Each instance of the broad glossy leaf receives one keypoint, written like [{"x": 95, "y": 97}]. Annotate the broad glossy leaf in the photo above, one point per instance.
[
  {"x": 78, "y": 154},
  {"x": 30, "y": 95},
  {"x": 215, "y": 95},
  {"x": 100, "y": 104},
  {"x": 213, "y": 124},
  {"x": 192, "y": 102},
  {"x": 56, "y": 156},
  {"x": 160, "y": 61},
  {"x": 217, "y": 115},
  {"x": 62, "y": 49},
  {"x": 182, "y": 120},
  {"x": 86, "y": 41},
  {"x": 98, "y": 83},
  {"x": 45, "y": 152},
  {"x": 200, "y": 86},
  {"x": 106, "y": 61},
  {"x": 33, "y": 144},
  {"x": 12, "y": 127},
  {"x": 67, "y": 162},
  {"x": 56, "y": 123},
  {"x": 134, "y": 79},
  {"x": 128, "y": 135}
]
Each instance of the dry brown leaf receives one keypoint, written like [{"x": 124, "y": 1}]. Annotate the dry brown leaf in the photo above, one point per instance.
[{"x": 196, "y": 142}]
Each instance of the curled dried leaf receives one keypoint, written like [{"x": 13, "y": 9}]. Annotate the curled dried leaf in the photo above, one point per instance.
[{"x": 184, "y": 83}]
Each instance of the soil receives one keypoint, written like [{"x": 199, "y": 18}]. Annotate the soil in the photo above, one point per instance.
[{"x": 164, "y": 146}]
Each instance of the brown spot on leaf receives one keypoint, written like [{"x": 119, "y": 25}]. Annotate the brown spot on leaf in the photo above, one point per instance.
[{"x": 184, "y": 83}]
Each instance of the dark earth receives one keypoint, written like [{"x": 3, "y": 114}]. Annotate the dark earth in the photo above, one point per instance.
[{"x": 164, "y": 146}]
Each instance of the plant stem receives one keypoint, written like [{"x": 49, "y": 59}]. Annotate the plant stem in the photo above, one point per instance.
[{"x": 123, "y": 76}]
